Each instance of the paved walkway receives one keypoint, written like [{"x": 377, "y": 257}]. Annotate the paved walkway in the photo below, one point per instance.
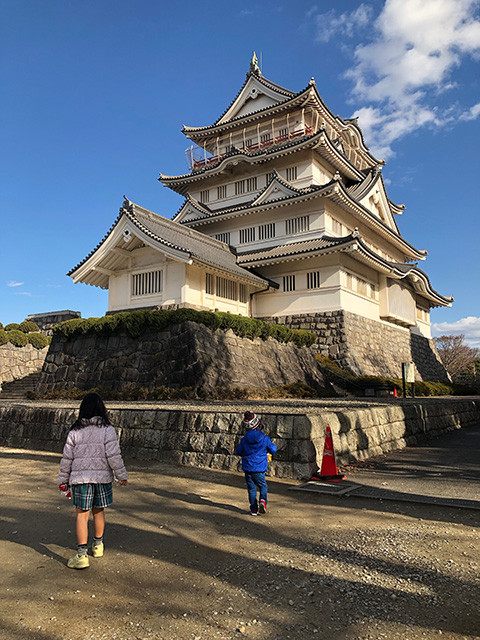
[{"x": 444, "y": 470}]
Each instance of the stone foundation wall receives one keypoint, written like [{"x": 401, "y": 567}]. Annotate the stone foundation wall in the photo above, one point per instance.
[
  {"x": 18, "y": 362},
  {"x": 207, "y": 437},
  {"x": 369, "y": 347},
  {"x": 184, "y": 355}
]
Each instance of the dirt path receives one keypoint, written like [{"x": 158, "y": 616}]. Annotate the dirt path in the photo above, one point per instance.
[{"x": 184, "y": 560}]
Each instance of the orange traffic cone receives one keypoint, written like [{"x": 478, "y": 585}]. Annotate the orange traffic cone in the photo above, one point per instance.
[
  {"x": 395, "y": 392},
  {"x": 329, "y": 471}
]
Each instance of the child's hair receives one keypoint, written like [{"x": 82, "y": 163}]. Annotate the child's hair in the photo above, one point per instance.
[{"x": 91, "y": 406}]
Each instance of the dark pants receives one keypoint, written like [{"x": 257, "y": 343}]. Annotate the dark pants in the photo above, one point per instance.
[{"x": 256, "y": 480}]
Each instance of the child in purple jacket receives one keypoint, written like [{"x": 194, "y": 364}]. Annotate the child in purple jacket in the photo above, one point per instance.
[
  {"x": 255, "y": 448},
  {"x": 91, "y": 458}
]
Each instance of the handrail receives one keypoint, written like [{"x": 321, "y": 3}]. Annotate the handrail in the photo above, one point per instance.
[{"x": 304, "y": 131}]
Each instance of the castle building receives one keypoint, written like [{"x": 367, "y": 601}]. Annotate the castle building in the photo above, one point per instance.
[{"x": 286, "y": 218}]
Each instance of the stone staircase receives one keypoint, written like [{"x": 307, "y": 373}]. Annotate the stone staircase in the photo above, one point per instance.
[{"x": 17, "y": 389}]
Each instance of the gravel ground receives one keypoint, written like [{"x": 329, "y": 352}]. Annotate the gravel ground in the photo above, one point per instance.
[{"x": 184, "y": 560}]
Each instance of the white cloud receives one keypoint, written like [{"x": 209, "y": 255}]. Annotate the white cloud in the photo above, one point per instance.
[
  {"x": 23, "y": 293},
  {"x": 330, "y": 24},
  {"x": 472, "y": 113},
  {"x": 416, "y": 48},
  {"x": 14, "y": 283},
  {"x": 469, "y": 326}
]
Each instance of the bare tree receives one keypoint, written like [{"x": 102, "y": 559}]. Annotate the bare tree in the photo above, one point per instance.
[{"x": 455, "y": 354}]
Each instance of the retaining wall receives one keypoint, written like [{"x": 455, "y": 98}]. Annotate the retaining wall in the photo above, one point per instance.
[
  {"x": 187, "y": 354},
  {"x": 369, "y": 347},
  {"x": 207, "y": 436},
  {"x": 18, "y": 362}
]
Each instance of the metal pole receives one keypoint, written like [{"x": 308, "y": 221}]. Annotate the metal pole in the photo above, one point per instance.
[{"x": 404, "y": 380}]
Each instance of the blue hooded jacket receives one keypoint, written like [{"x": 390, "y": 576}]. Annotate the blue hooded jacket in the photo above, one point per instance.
[{"x": 253, "y": 448}]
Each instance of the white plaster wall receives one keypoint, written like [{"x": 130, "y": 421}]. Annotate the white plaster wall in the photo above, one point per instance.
[{"x": 422, "y": 328}]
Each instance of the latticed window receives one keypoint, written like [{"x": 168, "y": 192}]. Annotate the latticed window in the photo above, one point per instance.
[
  {"x": 337, "y": 227},
  {"x": 251, "y": 184},
  {"x": 224, "y": 237},
  {"x": 362, "y": 286},
  {"x": 350, "y": 281},
  {"x": 269, "y": 176},
  {"x": 205, "y": 196},
  {"x": 265, "y": 137},
  {"x": 297, "y": 225},
  {"x": 147, "y": 283},
  {"x": 283, "y": 133},
  {"x": 209, "y": 284},
  {"x": 222, "y": 192},
  {"x": 239, "y": 187},
  {"x": 313, "y": 280},
  {"x": 266, "y": 231},
  {"x": 289, "y": 283},
  {"x": 247, "y": 235},
  {"x": 226, "y": 288},
  {"x": 291, "y": 173},
  {"x": 242, "y": 292}
]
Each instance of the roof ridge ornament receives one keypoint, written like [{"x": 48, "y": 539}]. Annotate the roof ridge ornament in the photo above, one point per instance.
[
  {"x": 312, "y": 82},
  {"x": 254, "y": 68}
]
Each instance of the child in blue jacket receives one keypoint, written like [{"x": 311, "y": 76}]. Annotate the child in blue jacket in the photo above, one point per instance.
[{"x": 255, "y": 448}]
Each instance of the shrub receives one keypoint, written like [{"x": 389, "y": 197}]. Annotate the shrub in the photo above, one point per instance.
[
  {"x": 13, "y": 326},
  {"x": 136, "y": 322},
  {"x": 3, "y": 337},
  {"x": 1, "y": 326},
  {"x": 28, "y": 326},
  {"x": 17, "y": 338},
  {"x": 38, "y": 340}
]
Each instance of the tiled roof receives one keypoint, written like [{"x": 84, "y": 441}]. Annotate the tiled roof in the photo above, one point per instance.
[
  {"x": 293, "y": 248},
  {"x": 268, "y": 83},
  {"x": 170, "y": 234}
]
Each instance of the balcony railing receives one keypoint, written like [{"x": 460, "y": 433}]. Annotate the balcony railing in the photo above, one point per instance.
[{"x": 195, "y": 164}]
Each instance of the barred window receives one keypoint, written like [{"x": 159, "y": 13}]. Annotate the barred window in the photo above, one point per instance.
[
  {"x": 269, "y": 176},
  {"x": 247, "y": 235},
  {"x": 337, "y": 227},
  {"x": 239, "y": 187},
  {"x": 222, "y": 192},
  {"x": 205, "y": 196},
  {"x": 313, "y": 280},
  {"x": 242, "y": 292},
  {"x": 265, "y": 137},
  {"x": 249, "y": 142},
  {"x": 289, "y": 283},
  {"x": 373, "y": 291},
  {"x": 226, "y": 288},
  {"x": 350, "y": 279},
  {"x": 251, "y": 184},
  {"x": 266, "y": 231},
  {"x": 147, "y": 283},
  {"x": 362, "y": 286},
  {"x": 297, "y": 225},
  {"x": 283, "y": 133},
  {"x": 209, "y": 284},
  {"x": 291, "y": 173},
  {"x": 224, "y": 237}
]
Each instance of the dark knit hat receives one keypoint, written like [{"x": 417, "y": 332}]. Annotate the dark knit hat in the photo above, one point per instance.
[{"x": 251, "y": 420}]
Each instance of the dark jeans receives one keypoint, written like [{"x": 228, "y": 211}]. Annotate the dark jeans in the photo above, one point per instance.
[{"x": 256, "y": 480}]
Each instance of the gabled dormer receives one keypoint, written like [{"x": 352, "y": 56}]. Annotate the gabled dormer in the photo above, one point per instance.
[
  {"x": 371, "y": 193},
  {"x": 276, "y": 189}
]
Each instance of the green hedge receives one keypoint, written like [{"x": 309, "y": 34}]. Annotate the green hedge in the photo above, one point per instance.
[
  {"x": 17, "y": 338},
  {"x": 38, "y": 340},
  {"x": 3, "y": 337},
  {"x": 13, "y": 326},
  {"x": 136, "y": 322},
  {"x": 28, "y": 326}
]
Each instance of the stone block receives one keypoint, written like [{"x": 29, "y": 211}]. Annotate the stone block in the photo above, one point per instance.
[{"x": 284, "y": 427}]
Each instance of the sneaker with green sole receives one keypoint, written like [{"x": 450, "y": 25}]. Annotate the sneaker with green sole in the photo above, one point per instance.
[
  {"x": 78, "y": 562},
  {"x": 97, "y": 550}
]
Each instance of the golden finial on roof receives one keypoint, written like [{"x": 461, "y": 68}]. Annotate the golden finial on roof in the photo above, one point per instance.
[{"x": 254, "y": 68}]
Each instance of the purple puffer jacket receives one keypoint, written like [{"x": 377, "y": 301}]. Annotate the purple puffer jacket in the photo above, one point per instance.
[{"x": 91, "y": 454}]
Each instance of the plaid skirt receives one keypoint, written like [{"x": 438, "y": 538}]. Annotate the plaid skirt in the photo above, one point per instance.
[{"x": 86, "y": 496}]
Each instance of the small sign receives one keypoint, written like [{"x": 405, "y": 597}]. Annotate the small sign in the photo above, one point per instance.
[{"x": 409, "y": 371}]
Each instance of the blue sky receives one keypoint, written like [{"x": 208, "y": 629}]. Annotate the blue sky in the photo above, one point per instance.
[{"x": 95, "y": 94}]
